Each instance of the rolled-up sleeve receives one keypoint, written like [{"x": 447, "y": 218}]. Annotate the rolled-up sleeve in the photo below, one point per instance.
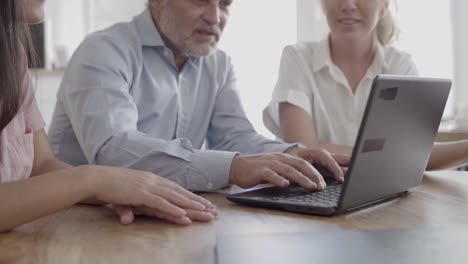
[{"x": 293, "y": 86}]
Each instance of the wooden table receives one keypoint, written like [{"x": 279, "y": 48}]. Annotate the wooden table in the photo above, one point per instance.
[{"x": 84, "y": 234}]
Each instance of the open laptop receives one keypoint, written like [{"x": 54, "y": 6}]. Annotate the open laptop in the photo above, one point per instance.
[{"x": 390, "y": 155}]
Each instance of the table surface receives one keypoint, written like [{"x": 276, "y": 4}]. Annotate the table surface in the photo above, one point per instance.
[{"x": 87, "y": 234}]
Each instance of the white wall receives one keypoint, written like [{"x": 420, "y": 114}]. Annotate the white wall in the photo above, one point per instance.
[
  {"x": 65, "y": 28},
  {"x": 47, "y": 84},
  {"x": 255, "y": 36},
  {"x": 428, "y": 40},
  {"x": 107, "y": 12},
  {"x": 311, "y": 24},
  {"x": 460, "y": 22}
]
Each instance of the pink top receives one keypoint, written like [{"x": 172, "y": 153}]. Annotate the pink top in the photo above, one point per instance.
[{"x": 16, "y": 140}]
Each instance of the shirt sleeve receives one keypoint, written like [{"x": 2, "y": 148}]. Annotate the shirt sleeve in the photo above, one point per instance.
[
  {"x": 230, "y": 130},
  {"x": 292, "y": 87},
  {"x": 104, "y": 117},
  {"x": 406, "y": 66}
]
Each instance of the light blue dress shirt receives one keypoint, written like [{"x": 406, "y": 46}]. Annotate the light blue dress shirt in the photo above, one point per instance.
[{"x": 123, "y": 102}]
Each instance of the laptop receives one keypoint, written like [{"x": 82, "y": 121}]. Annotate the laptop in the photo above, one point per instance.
[{"x": 390, "y": 155}]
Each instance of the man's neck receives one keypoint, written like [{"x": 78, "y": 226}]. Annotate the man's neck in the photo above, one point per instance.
[{"x": 179, "y": 58}]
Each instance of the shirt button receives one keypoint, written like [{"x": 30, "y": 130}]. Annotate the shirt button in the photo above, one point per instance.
[{"x": 209, "y": 186}]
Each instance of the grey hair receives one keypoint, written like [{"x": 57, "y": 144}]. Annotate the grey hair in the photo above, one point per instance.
[{"x": 148, "y": 2}]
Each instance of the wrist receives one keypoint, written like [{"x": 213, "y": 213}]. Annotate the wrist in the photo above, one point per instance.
[
  {"x": 292, "y": 150},
  {"x": 89, "y": 180},
  {"x": 233, "y": 170}
]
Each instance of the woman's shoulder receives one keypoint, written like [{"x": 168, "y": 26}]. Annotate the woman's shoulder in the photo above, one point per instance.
[
  {"x": 304, "y": 54},
  {"x": 399, "y": 62},
  {"x": 308, "y": 49},
  {"x": 396, "y": 57}
]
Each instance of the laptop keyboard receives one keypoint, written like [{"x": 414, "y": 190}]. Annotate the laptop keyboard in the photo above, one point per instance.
[{"x": 328, "y": 197}]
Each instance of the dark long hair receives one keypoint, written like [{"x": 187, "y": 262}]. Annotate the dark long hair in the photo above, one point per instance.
[{"x": 15, "y": 40}]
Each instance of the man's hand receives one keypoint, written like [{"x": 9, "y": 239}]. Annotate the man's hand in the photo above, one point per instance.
[
  {"x": 323, "y": 161},
  {"x": 280, "y": 169}
]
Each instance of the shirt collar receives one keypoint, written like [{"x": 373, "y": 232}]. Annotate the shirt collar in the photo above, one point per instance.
[
  {"x": 379, "y": 65},
  {"x": 150, "y": 35},
  {"x": 147, "y": 30},
  {"x": 323, "y": 58}
]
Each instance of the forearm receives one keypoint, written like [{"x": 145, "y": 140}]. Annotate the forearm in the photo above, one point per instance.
[
  {"x": 336, "y": 149},
  {"x": 448, "y": 155},
  {"x": 49, "y": 166},
  {"x": 54, "y": 165},
  {"x": 176, "y": 160},
  {"x": 310, "y": 142},
  {"x": 305, "y": 135},
  {"x": 24, "y": 201}
]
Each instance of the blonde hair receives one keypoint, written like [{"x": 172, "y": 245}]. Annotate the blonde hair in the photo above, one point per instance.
[{"x": 387, "y": 29}]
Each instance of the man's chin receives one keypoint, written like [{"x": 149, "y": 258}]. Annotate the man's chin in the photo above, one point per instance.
[{"x": 202, "y": 51}]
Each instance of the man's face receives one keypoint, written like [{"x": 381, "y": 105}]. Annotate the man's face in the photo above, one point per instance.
[{"x": 192, "y": 27}]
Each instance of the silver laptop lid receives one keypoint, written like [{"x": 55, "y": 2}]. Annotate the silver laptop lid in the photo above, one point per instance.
[{"x": 395, "y": 139}]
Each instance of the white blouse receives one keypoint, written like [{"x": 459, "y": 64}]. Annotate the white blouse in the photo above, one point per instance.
[{"x": 308, "y": 79}]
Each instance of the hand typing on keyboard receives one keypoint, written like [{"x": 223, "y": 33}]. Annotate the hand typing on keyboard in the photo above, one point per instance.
[
  {"x": 320, "y": 159},
  {"x": 297, "y": 165}
]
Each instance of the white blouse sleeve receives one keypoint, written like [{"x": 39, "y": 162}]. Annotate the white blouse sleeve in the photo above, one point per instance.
[
  {"x": 293, "y": 86},
  {"x": 404, "y": 65},
  {"x": 411, "y": 70}
]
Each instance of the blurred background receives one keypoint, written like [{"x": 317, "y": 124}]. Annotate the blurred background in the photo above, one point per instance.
[{"x": 257, "y": 32}]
